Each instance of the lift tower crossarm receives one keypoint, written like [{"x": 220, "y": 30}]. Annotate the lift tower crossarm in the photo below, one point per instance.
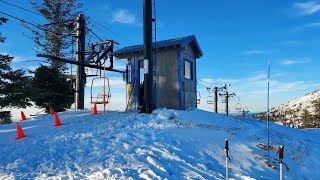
[{"x": 78, "y": 63}]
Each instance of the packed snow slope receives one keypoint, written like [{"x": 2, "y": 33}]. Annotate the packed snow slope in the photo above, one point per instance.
[{"x": 166, "y": 144}]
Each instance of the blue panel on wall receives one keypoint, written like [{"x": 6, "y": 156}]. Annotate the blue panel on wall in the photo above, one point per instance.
[{"x": 137, "y": 80}]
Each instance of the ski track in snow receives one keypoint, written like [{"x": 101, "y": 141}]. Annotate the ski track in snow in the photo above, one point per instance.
[{"x": 167, "y": 144}]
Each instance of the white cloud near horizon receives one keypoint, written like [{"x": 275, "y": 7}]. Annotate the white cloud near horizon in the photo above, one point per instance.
[
  {"x": 124, "y": 16},
  {"x": 220, "y": 81},
  {"x": 307, "y": 8},
  {"x": 292, "y": 42},
  {"x": 296, "y": 61},
  {"x": 313, "y": 24},
  {"x": 307, "y": 26},
  {"x": 255, "y": 52}
]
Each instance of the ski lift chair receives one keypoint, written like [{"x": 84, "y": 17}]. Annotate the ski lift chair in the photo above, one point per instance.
[
  {"x": 209, "y": 100},
  {"x": 238, "y": 107},
  {"x": 100, "y": 98},
  {"x": 198, "y": 97}
]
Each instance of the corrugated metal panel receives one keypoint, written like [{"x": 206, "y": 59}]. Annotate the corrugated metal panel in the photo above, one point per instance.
[{"x": 161, "y": 44}]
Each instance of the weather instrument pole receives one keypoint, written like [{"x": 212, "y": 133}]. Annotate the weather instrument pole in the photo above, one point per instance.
[
  {"x": 104, "y": 88},
  {"x": 268, "y": 109}
]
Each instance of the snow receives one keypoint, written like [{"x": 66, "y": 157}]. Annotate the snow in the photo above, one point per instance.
[{"x": 167, "y": 144}]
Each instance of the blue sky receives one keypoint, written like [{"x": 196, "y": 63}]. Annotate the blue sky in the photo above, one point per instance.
[{"x": 237, "y": 38}]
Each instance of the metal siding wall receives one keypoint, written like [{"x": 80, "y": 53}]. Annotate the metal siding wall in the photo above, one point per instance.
[
  {"x": 189, "y": 93},
  {"x": 155, "y": 79},
  {"x": 179, "y": 74},
  {"x": 167, "y": 79}
]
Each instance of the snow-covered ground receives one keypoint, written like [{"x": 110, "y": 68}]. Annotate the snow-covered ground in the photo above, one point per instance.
[{"x": 167, "y": 144}]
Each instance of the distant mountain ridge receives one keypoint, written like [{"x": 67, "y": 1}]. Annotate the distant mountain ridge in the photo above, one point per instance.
[{"x": 293, "y": 112}]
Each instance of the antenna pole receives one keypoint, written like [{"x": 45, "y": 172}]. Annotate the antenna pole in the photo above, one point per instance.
[
  {"x": 268, "y": 109},
  {"x": 104, "y": 88}
]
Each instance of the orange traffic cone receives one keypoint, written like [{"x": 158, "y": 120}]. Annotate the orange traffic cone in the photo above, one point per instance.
[
  {"x": 57, "y": 120},
  {"x": 95, "y": 111},
  {"x": 23, "y": 117},
  {"x": 51, "y": 110},
  {"x": 20, "y": 133}
]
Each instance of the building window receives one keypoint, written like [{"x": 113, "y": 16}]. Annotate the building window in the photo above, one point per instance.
[{"x": 188, "y": 69}]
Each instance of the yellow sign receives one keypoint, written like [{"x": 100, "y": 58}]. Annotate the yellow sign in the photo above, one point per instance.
[{"x": 129, "y": 87}]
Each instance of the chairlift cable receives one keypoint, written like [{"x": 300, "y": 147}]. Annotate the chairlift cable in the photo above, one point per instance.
[
  {"x": 131, "y": 42},
  {"x": 21, "y": 8}
]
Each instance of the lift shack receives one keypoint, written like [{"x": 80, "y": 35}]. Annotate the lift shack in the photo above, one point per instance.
[{"x": 174, "y": 73}]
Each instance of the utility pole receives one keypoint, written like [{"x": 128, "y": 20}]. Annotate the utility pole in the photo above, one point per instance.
[
  {"x": 148, "y": 62},
  {"x": 216, "y": 99},
  {"x": 80, "y": 56},
  {"x": 227, "y": 95},
  {"x": 83, "y": 62},
  {"x": 215, "y": 91},
  {"x": 227, "y": 103}
]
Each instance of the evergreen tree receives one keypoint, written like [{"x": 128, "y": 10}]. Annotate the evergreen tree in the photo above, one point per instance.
[
  {"x": 14, "y": 85},
  {"x": 316, "y": 105},
  {"x": 306, "y": 118},
  {"x": 2, "y": 20},
  {"x": 51, "y": 87},
  {"x": 54, "y": 38}
]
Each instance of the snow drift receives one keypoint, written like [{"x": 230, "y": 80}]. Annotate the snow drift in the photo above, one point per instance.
[{"x": 167, "y": 144}]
